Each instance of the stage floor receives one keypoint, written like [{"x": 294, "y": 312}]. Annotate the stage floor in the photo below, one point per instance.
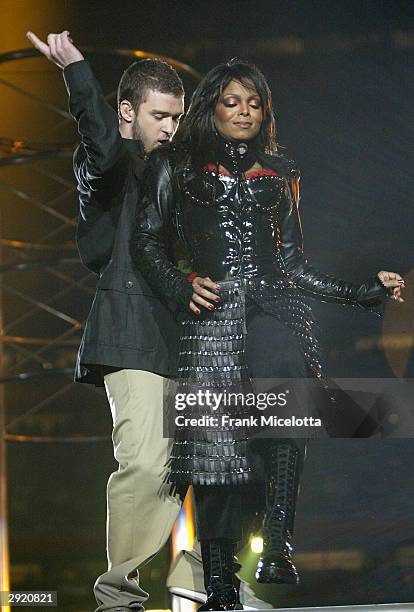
[{"x": 406, "y": 607}]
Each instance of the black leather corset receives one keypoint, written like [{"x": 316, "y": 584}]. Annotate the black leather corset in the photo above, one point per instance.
[{"x": 230, "y": 224}]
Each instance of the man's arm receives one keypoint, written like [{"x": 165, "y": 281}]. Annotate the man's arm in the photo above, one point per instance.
[{"x": 104, "y": 166}]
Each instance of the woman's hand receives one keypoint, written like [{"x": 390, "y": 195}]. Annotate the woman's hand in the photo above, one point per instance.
[
  {"x": 393, "y": 281},
  {"x": 201, "y": 295}
]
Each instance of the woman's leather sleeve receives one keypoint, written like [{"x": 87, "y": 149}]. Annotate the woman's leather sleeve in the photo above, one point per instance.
[
  {"x": 150, "y": 242},
  {"x": 312, "y": 282}
]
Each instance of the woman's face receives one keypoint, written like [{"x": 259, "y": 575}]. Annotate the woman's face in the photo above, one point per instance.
[{"x": 238, "y": 114}]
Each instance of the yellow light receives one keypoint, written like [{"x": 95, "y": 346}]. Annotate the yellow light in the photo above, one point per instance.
[
  {"x": 17, "y": 146},
  {"x": 256, "y": 544},
  {"x": 183, "y": 533}
]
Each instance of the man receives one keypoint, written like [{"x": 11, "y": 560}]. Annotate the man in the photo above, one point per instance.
[{"x": 130, "y": 338}]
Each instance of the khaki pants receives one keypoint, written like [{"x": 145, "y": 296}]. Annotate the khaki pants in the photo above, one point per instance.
[{"x": 140, "y": 513}]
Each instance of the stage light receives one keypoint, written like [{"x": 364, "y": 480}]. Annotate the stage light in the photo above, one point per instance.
[{"x": 256, "y": 544}]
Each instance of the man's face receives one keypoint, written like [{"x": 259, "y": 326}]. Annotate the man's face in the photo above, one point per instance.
[{"x": 157, "y": 119}]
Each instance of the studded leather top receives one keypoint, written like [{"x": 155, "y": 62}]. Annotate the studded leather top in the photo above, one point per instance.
[{"x": 236, "y": 226}]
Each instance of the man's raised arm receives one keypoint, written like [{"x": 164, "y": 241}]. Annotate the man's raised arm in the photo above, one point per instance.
[{"x": 97, "y": 121}]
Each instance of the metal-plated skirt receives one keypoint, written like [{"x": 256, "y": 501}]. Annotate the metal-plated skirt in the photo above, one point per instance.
[{"x": 213, "y": 357}]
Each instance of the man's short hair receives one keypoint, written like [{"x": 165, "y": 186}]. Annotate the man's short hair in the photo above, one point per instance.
[{"x": 148, "y": 74}]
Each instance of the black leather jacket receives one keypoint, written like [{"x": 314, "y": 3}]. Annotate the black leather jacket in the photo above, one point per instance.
[
  {"x": 234, "y": 228},
  {"x": 127, "y": 326}
]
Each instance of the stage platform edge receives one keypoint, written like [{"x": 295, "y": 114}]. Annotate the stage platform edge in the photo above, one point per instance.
[{"x": 395, "y": 607}]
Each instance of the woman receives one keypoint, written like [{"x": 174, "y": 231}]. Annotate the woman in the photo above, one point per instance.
[{"x": 232, "y": 199}]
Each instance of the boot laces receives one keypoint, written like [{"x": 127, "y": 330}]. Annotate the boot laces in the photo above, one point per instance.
[{"x": 279, "y": 513}]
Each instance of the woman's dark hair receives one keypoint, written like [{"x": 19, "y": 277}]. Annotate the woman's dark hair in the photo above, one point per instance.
[{"x": 197, "y": 130}]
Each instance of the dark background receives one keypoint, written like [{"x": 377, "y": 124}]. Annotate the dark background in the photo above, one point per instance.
[{"x": 341, "y": 77}]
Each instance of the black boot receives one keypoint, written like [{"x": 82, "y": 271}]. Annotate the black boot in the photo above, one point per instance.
[
  {"x": 222, "y": 585},
  {"x": 275, "y": 565}
]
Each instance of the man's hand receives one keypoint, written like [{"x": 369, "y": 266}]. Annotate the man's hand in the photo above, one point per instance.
[
  {"x": 201, "y": 294},
  {"x": 394, "y": 282},
  {"x": 59, "y": 48}
]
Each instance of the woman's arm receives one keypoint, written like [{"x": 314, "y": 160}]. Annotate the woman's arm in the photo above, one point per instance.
[
  {"x": 315, "y": 284},
  {"x": 150, "y": 241}
]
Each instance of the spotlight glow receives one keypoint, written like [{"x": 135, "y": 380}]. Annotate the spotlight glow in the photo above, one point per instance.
[{"x": 256, "y": 544}]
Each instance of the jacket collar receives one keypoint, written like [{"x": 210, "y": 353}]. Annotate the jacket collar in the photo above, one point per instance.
[{"x": 134, "y": 146}]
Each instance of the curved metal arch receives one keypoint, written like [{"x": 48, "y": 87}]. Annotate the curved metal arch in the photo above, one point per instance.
[
  {"x": 37, "y": 246},
  {"x": 132, "y": 53}
]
